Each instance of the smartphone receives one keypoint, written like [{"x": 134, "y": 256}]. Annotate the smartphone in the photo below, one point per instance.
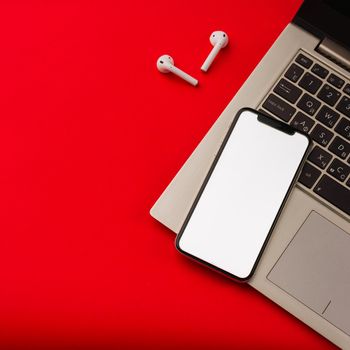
[{"x": 243, "y": 194}]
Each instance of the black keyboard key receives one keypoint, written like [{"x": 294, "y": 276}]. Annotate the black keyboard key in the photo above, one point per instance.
[
  {"x": 348, "y": 182},
  {"x": 302, "y": 122},
  {"x": 279, "y": 108},
  {"x": 294, "y": 72},
  {"x": 344, "y": 106},
  {"x": 308, "y": 104},
  {"x": 287, "y": 90},
  {"x": 329, "y": 95},
  {"x": 339, "y": 169},
  {"x": 310, "y": 83},
  {"x": 334, "y": 193},
  {"x": 309, "y": 175},
  {"x": 343, "y": 128},
  {"x": 336, "y": 81},
  {"x": 347, "y": 89},
  {"x": 319, "y": 157},
  {"x": 304, "y": 61},
  {"x": 319, "y": 70},
  {"x": 321, "y": 135},
  {"x": 327, "y": 116},
  {"x": 340, "y": 147}
]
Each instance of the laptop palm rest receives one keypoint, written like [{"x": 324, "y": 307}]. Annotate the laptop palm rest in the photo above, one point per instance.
[{"x": 314, "y": 269}]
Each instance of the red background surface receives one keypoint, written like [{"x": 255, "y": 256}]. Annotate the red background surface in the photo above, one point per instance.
[{"x": 90, "y": 136}]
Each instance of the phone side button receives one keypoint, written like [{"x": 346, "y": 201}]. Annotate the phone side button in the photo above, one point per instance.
[{"x": 309, "y": 175}]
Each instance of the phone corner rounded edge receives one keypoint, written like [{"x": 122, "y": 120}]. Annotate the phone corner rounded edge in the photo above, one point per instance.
[{"x": 177, "y": 243}]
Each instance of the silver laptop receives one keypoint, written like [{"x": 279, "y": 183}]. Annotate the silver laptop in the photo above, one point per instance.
[{"x": 303, "y": 80}]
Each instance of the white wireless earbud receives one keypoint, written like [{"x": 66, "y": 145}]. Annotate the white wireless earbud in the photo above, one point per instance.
[
  {"x": 165, "y": 64},
  {"x": 219, "y": 40}
]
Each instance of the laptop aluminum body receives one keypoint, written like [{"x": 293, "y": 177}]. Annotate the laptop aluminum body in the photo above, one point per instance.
[{"x": 306, "y": 265}]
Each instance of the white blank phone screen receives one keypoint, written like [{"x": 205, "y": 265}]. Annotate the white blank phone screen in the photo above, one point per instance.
[{"x": 244, "y": 193}]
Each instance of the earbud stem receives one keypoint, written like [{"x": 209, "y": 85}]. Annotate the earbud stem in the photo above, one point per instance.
[
  {"x": 183, "y": 75},
  {"x": 207, "y": 63}
]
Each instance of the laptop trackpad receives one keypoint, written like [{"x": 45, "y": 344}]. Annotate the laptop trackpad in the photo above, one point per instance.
[{"x": 315, "y": 269}]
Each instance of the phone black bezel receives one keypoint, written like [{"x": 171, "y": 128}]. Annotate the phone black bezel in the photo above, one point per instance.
[{"x": 283, "y": 127}]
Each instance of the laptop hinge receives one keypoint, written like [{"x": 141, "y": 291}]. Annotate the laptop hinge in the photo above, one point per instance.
[{"x": 335, "y": 52}]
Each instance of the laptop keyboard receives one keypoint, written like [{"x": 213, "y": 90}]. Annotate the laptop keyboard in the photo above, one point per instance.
[{"x": 316, "y": 101}]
